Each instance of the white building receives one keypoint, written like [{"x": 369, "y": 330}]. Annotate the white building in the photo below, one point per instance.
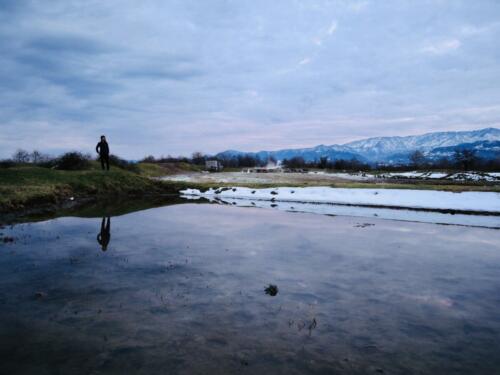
[{"x": 213, "y": 165}]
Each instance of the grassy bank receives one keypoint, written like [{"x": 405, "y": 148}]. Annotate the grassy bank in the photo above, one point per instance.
[
  {"x": 26, "y": 187},
  {"x": 164, "y": 169}
]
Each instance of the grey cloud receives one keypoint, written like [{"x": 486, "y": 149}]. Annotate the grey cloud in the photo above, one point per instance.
[
  {"x": 9, "y": 8},
  {"x": 68, "y": 74},
  {"x": 178, "y": 75},
  {"x": 66, "y": 44},
  {"x": 178, "y": 68},
  {"x": 174, "y": 74}
]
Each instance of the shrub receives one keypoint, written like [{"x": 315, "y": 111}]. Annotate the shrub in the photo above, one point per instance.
[
  {"x": 123, "y": 164},
  {"x": 74, "y": 161},
  {"x": 49, "y": 163},
  {"x": 148, "y": 159},
  {"x": 7, "y": 163}
]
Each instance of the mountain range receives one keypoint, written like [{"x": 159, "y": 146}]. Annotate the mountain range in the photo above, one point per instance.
[{"x": 392, "y": 150}]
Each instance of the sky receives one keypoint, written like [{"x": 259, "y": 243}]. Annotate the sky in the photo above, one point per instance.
[{"x": 170, "y": 77}]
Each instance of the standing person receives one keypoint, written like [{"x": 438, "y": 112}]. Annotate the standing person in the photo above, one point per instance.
[{"x": 102, "y": 149}]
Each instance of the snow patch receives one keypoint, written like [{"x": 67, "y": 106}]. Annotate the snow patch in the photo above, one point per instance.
[
  {"x": 461, "y": 176},
  {"x": 417, "y": 199}
]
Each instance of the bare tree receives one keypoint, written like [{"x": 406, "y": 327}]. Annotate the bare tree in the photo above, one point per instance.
[
  {"x": 323, "y": 162},
  {"x": 198, "y": 158},
  {"x": 295, "y": 162},
  {"x": 465, "y": 159},
  {"x": 36, "y": 157},
  {"x": 21, "y": 156},
  {"x": 247, "y": 161},
  {"x": 417, "y": 158}
]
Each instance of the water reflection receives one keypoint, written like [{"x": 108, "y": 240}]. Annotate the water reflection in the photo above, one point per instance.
[
  {"x": 105, "y": 235},
  {"x": 197, "y": 289}
]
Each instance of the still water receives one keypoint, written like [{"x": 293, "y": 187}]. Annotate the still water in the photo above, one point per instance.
[{"x": 210, "y": 289}]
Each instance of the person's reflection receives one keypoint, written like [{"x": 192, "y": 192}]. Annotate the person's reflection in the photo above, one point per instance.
[{"x": 105, "y": 235}]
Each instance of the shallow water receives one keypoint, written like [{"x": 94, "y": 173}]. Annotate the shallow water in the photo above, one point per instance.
[
  {"x": 180, "y": 290},
  {"x": 400, "y": 214}
]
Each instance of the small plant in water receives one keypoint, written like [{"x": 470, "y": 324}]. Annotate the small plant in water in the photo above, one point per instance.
[
  {"x": 271, "y": 290},
  {"x": 7, "y": 239}
]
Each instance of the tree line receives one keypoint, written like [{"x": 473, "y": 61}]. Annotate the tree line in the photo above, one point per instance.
[
  {"x": 198, "y": 158},
  {"x": 462, "y": 159},
  {"x": 73, "y": 160}
]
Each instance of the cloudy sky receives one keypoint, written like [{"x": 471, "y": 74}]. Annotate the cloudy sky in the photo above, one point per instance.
[{"x": 177, "y": 76}]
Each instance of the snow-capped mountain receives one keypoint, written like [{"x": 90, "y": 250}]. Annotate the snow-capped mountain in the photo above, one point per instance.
[
  {"x": 381, "y": 148},
  {"x": 392, "y": 149}
]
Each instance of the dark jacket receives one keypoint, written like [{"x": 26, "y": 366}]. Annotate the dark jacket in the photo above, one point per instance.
[{"x": 102, "y": 148}]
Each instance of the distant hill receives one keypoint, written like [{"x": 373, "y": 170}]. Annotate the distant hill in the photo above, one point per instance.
[
  {"x": 436, "y": 145},
  {"x": 483, "y": 149},
  {"x": 309, "y": 154}
]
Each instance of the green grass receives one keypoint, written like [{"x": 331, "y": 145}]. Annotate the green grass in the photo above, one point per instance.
[
  {"x": 189, "y": 167},
  {"x": 164, "y": 169},
  {"x": 150, "y": 170},
  {"x": 22, "y": 187}
]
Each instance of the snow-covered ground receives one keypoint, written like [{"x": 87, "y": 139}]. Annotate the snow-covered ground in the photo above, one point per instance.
[
  {"x": 268, "y": 178},
  {"x": 461, "y": 176},
  {"x": 354, "y": 176},
  {"x": 417, "y": 199},
  {"x": 318, "y": 178}
]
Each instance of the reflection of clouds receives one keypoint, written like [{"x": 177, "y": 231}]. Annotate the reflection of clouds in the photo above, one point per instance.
[
  {"x": 402, "y": 229},
  {"x": 487, "y": 241},
  {"x": 323, "y": 293},
  {"x": 433, "y": 300},
  {"x": 368, "y": 212}
]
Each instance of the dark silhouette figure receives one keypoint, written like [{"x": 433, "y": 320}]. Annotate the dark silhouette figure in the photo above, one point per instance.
[
  {"x": 105, "y": 236},
  {"x": 102, "y": 149}
]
